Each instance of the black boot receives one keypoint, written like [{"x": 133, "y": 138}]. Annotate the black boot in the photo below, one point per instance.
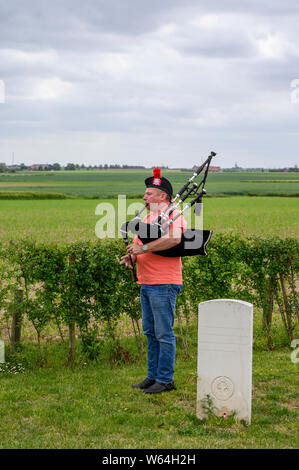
[
  {"x": 159, "y": 387},
  {"x": 145, "y": 383}
]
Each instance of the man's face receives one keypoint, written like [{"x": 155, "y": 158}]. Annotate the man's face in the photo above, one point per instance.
[{"x": 154, "y": 199}]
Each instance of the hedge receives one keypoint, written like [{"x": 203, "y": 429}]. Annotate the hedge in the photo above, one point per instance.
[{"x": 83, "y": 287}]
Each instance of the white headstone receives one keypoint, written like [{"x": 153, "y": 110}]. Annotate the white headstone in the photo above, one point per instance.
[
  {"x": 224, "y": 363},
  {"x": 2, "y": 352}
]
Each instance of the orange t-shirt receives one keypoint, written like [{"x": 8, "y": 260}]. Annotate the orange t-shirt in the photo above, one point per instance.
[{"x": 155, "y": 269}]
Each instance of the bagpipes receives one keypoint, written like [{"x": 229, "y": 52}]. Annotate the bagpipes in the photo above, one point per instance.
[{"x": 193, "y": 241}]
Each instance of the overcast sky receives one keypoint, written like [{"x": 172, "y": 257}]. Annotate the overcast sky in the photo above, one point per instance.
[{"x": 149, "y": 82}]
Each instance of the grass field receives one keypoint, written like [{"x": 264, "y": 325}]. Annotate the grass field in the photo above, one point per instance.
[
  {"x": 75, "y": 219},
  {"x": 92, "y": 405},
  {"x": 110, "y": 183}
]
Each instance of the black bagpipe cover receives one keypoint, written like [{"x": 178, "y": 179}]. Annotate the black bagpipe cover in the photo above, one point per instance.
[{"x": 193, "y": 241}]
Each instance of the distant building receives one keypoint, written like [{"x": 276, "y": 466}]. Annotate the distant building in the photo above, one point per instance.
[
  {"x": 13, "y": 167},
  {"x": 39, "y": 167},
  {"x": 33, "y": 167}
]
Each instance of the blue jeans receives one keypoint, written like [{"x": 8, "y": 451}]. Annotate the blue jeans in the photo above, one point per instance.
[{"x": 157, "y": 305}]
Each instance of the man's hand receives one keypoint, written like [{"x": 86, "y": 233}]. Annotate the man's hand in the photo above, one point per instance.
[
  {"x": 126, "y": 260},
  {"x": 134, "y": 249}
]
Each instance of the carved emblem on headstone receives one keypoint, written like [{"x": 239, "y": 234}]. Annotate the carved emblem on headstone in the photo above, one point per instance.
[{"x": 222, "y": 388}]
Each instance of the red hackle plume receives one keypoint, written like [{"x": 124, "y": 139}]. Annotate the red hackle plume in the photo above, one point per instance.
[{"x": 157, "y": 173}]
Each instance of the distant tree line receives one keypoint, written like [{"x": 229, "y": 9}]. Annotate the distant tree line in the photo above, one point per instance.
[
  {"x": 237, "y": 168},
  {"x": 105, "y": 166},
  {"x": 68, "y": 167},
  {"x": 75, "y": 166},
  {"x": 295, "y": 168}
]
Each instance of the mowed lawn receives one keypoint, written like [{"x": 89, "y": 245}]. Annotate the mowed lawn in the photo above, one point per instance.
[
  {"x": 75, "y": 219},
  {"x": 93, "y": 406}
]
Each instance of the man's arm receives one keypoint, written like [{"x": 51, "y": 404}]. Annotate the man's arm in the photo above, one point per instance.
[{"x": 164, "y": 243}]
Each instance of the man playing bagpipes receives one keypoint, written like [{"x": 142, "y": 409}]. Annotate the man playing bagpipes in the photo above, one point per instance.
[
  {"x": 160, "y": 278},
  {"x": 162, "y": 238}
]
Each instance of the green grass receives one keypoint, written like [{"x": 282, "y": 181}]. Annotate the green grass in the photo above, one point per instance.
[
  {"x": 110, "y": 183},
  {"x": 92, "y": 405},
  {"x": 31, "y": 195},
  {"x": 75, "y": 219}
]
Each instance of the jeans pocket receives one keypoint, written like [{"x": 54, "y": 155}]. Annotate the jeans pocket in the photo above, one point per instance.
[{"x": 176, "y": 288}]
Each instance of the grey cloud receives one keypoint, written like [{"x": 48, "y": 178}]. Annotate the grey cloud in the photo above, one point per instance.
[
  {"x": 145, "y": 74},
  {"x": 74, "y": 24},
  {"x": 212, "y": 50}
]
